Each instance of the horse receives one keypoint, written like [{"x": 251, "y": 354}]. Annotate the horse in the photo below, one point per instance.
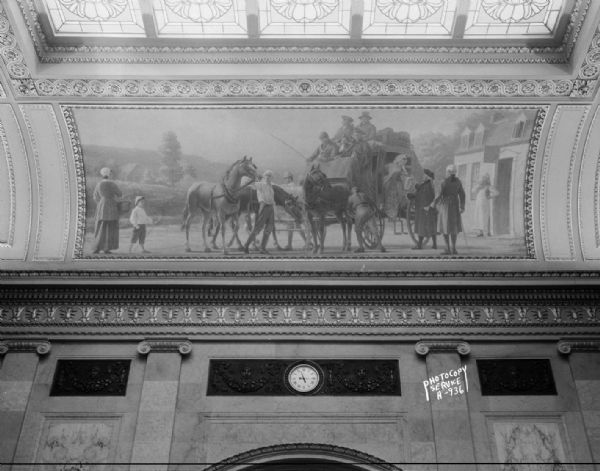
[
  {"x": 219, "y": 200},
  {"x": 323, "y": 197},
  {"x": 249, "y": 205}
]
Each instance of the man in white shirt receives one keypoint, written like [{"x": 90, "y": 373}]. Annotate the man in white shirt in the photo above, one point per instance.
[
  {"x": 266, "y": 212},
  {"x": 295, "y": 190}
]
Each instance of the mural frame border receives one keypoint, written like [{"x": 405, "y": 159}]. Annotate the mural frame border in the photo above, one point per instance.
[{"x": 541, "y": 114}]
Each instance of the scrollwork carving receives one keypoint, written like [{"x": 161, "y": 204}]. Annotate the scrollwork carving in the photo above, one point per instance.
[{"x": 566, "y": 347}]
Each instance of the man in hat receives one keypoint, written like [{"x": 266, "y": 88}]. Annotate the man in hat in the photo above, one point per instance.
[
  {"x": 326, "y": 151},
  {"x": 345, "y": 131},
  {"x": 450, "y": 203},
  {"x": 266, "y": 212},
  {"x": 363, "y": 213},
  {"x": 106, "y": 194},
  {"x": 138, "y": 220},
  {"x": 360, "y": 154},
  {"x": 368, "y": 129},
  {"x": 425, "y": 216}
]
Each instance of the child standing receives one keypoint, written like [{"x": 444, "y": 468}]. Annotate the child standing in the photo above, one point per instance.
[{"x": 138, "y": 220}]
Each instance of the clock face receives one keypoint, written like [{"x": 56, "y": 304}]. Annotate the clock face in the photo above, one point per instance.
[{"x": 304, "y": 378}]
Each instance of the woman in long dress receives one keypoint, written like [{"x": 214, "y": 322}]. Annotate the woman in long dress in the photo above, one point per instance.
[
  {"x": 106, "y": 194},
  {"x": 450, "y": 203},
  {"x": 396, "y": 184},
  {"x": 484, "y": 193}
]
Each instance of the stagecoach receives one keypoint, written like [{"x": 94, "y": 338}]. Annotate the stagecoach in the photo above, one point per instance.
[{"x": 383, "y": 183}]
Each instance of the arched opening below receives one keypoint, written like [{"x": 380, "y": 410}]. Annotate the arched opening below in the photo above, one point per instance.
[
  {"x": 303, "y": 457},
  {"x": 306, "y": 464}
]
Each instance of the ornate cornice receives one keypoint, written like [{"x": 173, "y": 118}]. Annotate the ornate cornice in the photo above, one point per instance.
[
  {"x": 41, "y": 347},
  {"x": 303, "y": 88},
  {"x": 212, "y": 311},
  {"x": 183, "y": 346},
  {"x": 425, "y": 346},
  {"x": 567, "y": 346},
  {"x": 13, "y": 58}
]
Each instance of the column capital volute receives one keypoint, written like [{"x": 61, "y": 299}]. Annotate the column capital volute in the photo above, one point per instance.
[
  {"x": 39, "y": 346},
  {"x": 566, "y": 346},
  {"x": 183, "y": 346},
  {"x": 423, "y": 347}
]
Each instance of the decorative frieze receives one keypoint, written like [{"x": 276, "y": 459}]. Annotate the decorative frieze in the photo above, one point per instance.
[
  {"x": 179, "y": 313},
  {"x": 567, "y": 346},
  {"x": 425, "y": 346},
  {"x": 302, "y": 88},
  {"x": 41, "y": 347},
  {"x": 183, "y": 346}
]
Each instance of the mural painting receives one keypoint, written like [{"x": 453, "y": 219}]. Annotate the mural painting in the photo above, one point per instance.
[{"x": 286, "y": 182}]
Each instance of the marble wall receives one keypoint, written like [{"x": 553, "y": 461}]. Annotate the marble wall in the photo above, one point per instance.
[{"x": 166, "y": 415}]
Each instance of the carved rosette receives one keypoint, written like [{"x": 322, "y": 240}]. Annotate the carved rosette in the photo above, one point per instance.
[
  {"x": 513, "y": 11},
  {"x": 566, "y": 347},
  {"x": 41, "y": 347},
  {"x": 183, "y": 346},
  {"x": 409, "y": 11},
  {"x": 95, "y": 10},
  {"x": 425, "y": 346}
]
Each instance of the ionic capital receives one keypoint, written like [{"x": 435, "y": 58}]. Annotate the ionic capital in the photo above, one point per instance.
[
  {"x": 567, "y": 346},
  {"x": 41, "y": 347},
  {"x": 183, "y": 346},
  {"x": 423, "y": 347}
]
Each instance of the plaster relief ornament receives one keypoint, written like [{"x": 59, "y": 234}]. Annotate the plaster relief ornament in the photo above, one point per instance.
[
  {"x": 409, "y": 11},
  {"x": 199, "y": 11},
  {"x": 95, "y": 10},
  {"x": 304, "y": 11},
  {"x": 513, "y": 11}
]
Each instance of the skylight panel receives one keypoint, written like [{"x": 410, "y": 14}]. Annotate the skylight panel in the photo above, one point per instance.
[
  {"x": 512, "y": 18},
  {"x": 304, "y": 18},
  {"x": 209, "y": 18},
  {"x": 408, "y": 18},
  {"x": 107, "y": 18}
]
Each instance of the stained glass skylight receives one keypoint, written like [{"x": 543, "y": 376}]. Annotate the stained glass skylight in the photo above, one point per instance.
[
  {"x": 304, "y": 18},
  {"x": 446, "y": 20},
  {"x": 206, "y": 18},
  {"x": 502, "y": 18},
  {"x": 96, "y": 17},
  {"x": 431, "y": 18}
]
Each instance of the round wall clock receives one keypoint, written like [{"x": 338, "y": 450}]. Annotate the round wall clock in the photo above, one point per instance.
[{"x": 304, "y": 378}]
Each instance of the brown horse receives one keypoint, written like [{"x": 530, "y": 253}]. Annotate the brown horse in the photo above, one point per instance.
[
  {"x": 321, "y": 198},
  {"x": 220, "y": 201}
]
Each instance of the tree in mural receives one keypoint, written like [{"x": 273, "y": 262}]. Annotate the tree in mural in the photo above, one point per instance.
[{"x": 170, "y": 150}]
